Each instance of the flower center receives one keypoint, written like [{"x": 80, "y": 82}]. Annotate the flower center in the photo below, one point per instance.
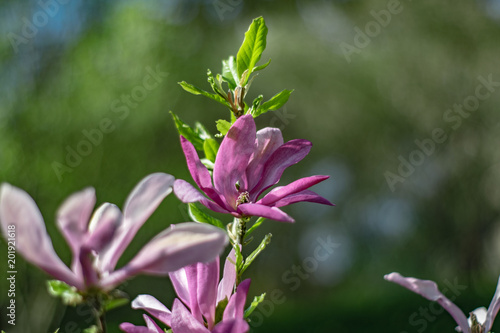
[{"x": 244, "y": 197}]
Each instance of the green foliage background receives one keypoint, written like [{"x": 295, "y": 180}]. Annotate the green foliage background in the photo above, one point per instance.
[{"x": 441, "y": 223}]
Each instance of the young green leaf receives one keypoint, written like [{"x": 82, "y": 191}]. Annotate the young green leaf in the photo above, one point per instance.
[
  {"x": 255, "y": 226},
  {"x": 197, "y": 91},
  {"x": 202, "y": 131},
  {"x": 251, "y": 49},
  {"x": 261, "y": 67},
  {"x": 256, "y": 252},
  {"x": 92, "y": 329},
  {"x": 115, "y": 303},
  {"x": 200, "y": 216},
  {"x": 256, "y": 301},
  {"x": 210, "y": 147},
  {"x": 187, "y": 132},
  {"x": 274, "y": 103},
  {"x": 68, "y": 294},
  {"x": 229, "y": 72},
  {"x": 223, "y": 126}
]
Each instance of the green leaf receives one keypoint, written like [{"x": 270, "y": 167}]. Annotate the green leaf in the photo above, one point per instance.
[
  {"x": 255, "y": 226},
  {"x": 115, "y": 303},
  {"x": 256, "y": 103},
  {"x": 200, "y": 216},
  {"x": 229, "y": 72},
  {"x": 219, "y": 310},
  {"x": 202, "y": 131},
  {"x": 261, "y": 67},
  {"x": 91, "y": 329},
  {"x": 274, "y": 103},
  {"x": 251, "y": 49},
  {"x": 197, "y": 91},
  {"x": 256, "y": 301},
  {"x": 210, "y": 147},
  {"x": 256, "y": 252},
  {"x": 223, "y": 126},
  {"x": 215, "y": 84},
  {"x": 68, "y": 294},
  {"x": 187, "y": 132}
]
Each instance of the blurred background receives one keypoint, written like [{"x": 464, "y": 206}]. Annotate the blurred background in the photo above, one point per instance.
[{"x": 398, "y": 97}]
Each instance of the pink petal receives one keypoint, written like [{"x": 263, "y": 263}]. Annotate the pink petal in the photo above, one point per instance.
[
  {"x": 183, "y": 321},
  {"x": 273, "y": 213},
  {"x": 172, "y": 249},
  {"x": 151, "y": 327},
  {"x": 200, "y": 173},
  {"x": 102, "y": 227},
  {"x": 288, "y": 154},
  {"x": 18, "y": 210},
  {"x": 305, "y": 195},
  {"x": 131, "y": 328},
  {"x": 73, "y": 219},
  {"x": 226, "y": 285},
  {"x": 232, "y": 159},
  {"x": 268, "y": 140},
  {"x": 232, "y": 326},
  {"x": 153, "y": 307},
  {"x": 299, "y": 185},
  {"x": 208, "y": 279},
  {"x": 429, "y": 289},
  {"x": 493, "y": 309},
  {"x": 187, "y": 193},
  {"x": 140, "y": 204},
  {"x": 236, "y": 306}
]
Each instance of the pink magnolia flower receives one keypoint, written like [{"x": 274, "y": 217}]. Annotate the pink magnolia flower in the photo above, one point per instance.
[
  {"x": 198, "y": 289},
  {"x": 247, "y": 164},
  {"x": 429, "y": 289},
  {"x": 97, "y": 245}
]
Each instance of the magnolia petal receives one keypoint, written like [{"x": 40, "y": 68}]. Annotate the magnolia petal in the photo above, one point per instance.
[
  {"x": 183, "y": 321},
  {"x": 268, "y": 140},
  {"x": 297, "y": 186},
  {"x": 226, "y": 285},
  {"x": 200, "y": 173},
  {"x": 208, "y": 279},
  {"x": 429, "y": 290},
  {"x": 305, "y": 195},
  {"x": 18, "y": 210},
  {"x": 232, "y": 326},
  {"x": 181, "y": 285},
  {"x": 172, "y": 249},
  {"x": 154, "y": 307},
  {"x": 288, "y": 154},
  {"x": 493, "y": 308},
  {"x": 236, "y": 306},
  {"x": 73, "y": 218},
  {"x": 232, "y": 159},
  {"x": 103, "y": 226},
  {"x": 187, "y": 194},
  {"x": 140, "y": 204},
  {"x": 152, "y": 327},
  {"x": 131, "y": 328},
  {"x": 273, "y": 213}
]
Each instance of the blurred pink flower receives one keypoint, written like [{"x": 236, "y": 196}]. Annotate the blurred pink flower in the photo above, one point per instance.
[
  {"x": 199, "y": 293},
  {"x": 97, "y": 245},
  {"x": 247, "y": 164},
  {"x": 429, "y": 289}
]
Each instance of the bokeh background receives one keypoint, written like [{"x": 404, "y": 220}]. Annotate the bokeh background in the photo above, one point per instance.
[{"x": 362, "y": 101}]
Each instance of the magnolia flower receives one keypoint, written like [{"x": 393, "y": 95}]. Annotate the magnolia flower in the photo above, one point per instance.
[
  {"x": 480, "y": 320},
  {"x": 97, "y": 245},
  {"x": 247, "y": 164},
  {"x": 199, "y": 290}
]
